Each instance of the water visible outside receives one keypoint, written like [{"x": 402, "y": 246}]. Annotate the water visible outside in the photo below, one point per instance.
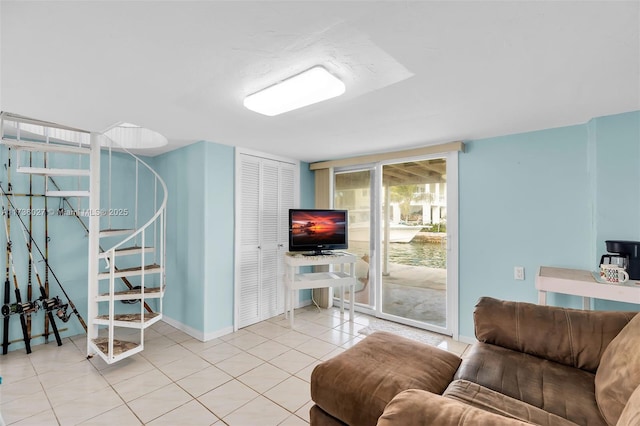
[
  {"x": 415, "y": 253},
  {"x": 433, "y": 255}
]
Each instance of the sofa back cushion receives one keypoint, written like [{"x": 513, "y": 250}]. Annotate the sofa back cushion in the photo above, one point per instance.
[
  {"x": 572, "y": 337},
  {"x": 619, "y": 372}
]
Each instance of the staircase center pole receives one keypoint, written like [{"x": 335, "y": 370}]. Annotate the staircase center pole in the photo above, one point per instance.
[{"x": 94, "y": 240}]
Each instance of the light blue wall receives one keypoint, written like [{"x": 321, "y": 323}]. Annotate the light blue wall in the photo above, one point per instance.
[
  {"x": 183, "y": 171},
  {"x": 307, "y": 187},
  {"x": 616, "y": 158},
  {"x": 544, "y": 198},
  {"x": 218, "y": 232}
]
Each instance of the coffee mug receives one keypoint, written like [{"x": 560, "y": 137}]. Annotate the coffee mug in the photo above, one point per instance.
[{"x": 613, "y": 274}]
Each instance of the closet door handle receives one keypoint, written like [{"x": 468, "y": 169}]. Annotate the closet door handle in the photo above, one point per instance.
[
  {"x": 259, "y": 247},
  {"x": 280, "y": 245}
]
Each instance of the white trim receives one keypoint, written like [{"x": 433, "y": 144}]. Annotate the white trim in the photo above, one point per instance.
[
  {"x": 197, "y": 334},
  {"x": 453, "y": 254},
  {"x": 259, "y": 154}
]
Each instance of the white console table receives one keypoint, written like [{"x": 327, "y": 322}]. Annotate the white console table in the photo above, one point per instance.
[
  {"x": 294, "y": 280},
  {"x": 577, "y": 282}
]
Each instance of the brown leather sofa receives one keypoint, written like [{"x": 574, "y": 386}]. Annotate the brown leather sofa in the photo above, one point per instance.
[{"x": 532, "y": 364}]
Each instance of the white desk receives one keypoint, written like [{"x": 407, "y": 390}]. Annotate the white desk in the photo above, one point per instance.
[
  {"x": 295, "y": 281},
  {"x": 577, "y": 282}
]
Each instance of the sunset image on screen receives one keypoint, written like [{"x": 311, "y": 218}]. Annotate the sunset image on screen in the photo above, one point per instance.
[{"x": 326, "y": 227}]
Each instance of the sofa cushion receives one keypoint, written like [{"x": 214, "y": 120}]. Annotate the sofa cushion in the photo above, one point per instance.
[
  {"x": 318, "y": 417},
  {"x": 553, "y": 387},
  {"x": 357, "y": 384},
  {"x": 572, "y": 337},
  {"x": 489, "y": 400},
  {"x": 416, "y": 407},
  {"x": 631, "y": 414},
  {"x": 619, "y": 372}
]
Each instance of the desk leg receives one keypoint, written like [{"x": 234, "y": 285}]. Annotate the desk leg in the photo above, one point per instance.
[
  {"x": 586, "y": 303},
  {"x": 542, "y": 297},
  {"x": 353, "y": 301},
  {"x": 342, "y": 299},
  {"x": 292, "y": 297},
  {"x": 286, "y": 302}
]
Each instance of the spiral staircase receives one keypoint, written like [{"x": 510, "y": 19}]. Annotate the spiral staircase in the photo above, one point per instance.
[{"x": 126, "y": 244}]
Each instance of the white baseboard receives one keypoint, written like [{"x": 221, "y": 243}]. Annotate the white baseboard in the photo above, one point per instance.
[
  {"x": 466, "y": 339},
  {"x": 303, "y": 303},
  {"x": 197, "y": 334}
]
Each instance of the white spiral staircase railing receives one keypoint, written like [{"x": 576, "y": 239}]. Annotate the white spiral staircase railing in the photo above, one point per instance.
[{"x": 117, "y": 314}]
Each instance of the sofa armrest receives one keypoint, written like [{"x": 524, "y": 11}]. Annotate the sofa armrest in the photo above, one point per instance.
[
  {"x": 417, "y": 407},
  {"x": 569, "y": 336}
]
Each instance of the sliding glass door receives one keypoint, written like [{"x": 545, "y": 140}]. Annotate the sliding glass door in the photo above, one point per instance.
[
  {"x": 414, "y": 242},
  {"x": 352, "y": 191},
  {"x": 403, "y": 227}
]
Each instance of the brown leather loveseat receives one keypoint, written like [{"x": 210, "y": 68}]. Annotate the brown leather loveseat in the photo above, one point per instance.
[{"x": 532, "y": 364}]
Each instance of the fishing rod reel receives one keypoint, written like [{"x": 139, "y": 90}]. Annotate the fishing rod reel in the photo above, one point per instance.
[
  {"x": 55, "y": 304},
  {"x": 26, "y": 308}
]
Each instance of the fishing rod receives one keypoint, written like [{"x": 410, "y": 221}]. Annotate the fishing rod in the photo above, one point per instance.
[
  {"x": 23, "y": 322},
  {"x": 48, "y": 304},
  {"x": 7, "y": 288},
  {"x": 125, "y": 280},
  {"x": 46, "y": 248},
  {"x": 29, "y": 268},
  {"x": 7, "y": 301},
  {"x": 53, "y": 274}
]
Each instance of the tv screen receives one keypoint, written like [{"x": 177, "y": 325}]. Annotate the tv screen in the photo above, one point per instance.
[{"x": 317, "y": 230}]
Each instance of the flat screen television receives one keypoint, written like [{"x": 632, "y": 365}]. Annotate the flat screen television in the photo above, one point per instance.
[{"x": 316, "y": 231}]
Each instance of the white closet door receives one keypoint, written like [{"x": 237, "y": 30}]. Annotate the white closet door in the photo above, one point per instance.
[
  {"x": 287, "y": 201},
  {"x": 270, "y": 215},
  {"x": 249, "y": 241},
  {"x": 265, "y": 193}
]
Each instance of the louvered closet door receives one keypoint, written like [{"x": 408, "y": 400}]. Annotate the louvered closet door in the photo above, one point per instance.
[
  {"x": 269, "y": 245},
  {"x": 266, "y": 193},
  {"x": 287, "y": 200},
  {"x": 249, "y": 241}
]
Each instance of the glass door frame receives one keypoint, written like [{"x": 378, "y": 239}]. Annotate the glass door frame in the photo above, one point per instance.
[
  {"x": 451, "y": 328},
  {"x": 374, "y": 217},
  {"x": 375, "y": 242}
]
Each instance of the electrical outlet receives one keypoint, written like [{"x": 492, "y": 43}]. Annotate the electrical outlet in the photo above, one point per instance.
[{"x": 518, "y": 273}]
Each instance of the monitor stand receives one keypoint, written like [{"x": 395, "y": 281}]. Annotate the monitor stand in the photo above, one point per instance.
[{"x": 319, "y": 253}]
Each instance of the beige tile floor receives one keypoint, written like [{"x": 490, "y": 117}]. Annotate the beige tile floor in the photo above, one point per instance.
[{"x": 256, "y": 376}]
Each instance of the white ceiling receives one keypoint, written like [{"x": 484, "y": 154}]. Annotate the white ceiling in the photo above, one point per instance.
[{"x": 417, "y": 73}]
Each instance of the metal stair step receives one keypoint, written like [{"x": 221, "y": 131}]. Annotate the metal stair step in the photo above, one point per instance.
[
  {"x": 134, "y": 293},
  {"x": 129, "y": 272},
  {"x": 53, "y": 172},
  {"x": 67, "y": 193},
  {"x": 44, "y": 147},
  {"x": 129, "y": 320},
  {"x": 115, "y": 232},
  {"x": 119, "y": 346},
  {"x": 127, "y": 251}
]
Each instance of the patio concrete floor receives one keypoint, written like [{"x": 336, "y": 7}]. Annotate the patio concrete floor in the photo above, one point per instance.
[{"x": 414, "y": 292}]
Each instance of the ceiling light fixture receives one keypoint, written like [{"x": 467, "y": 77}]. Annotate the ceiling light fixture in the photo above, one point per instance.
[{"x": 309, "y": 87}]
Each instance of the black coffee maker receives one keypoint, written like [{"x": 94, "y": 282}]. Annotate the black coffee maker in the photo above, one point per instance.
[{"x": 627, "y": 255}]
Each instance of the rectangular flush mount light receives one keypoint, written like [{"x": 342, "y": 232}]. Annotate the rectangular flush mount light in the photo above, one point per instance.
[{"x": 309, "y": 87}]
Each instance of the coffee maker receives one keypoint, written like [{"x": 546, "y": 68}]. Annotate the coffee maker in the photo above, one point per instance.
[{"x": 625, "y": 254}]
